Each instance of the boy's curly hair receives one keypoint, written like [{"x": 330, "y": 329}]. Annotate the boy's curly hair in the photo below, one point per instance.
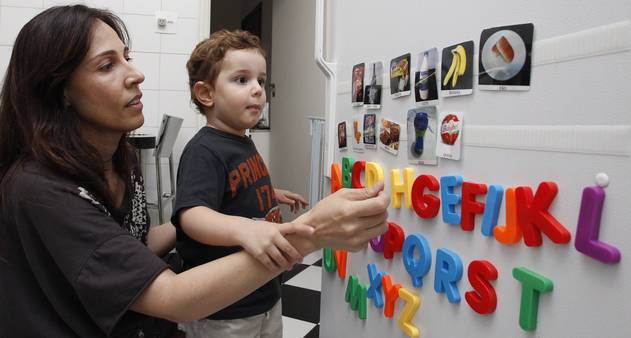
[{"x": 204, "y": 63}]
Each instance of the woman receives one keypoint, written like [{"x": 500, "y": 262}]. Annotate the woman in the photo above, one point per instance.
[{"x": 77, "y": 257}]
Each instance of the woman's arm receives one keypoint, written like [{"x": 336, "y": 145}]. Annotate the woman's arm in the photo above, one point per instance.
[
  {"x": 346, "y": 220},
  {"x": 161, "y": 239}
]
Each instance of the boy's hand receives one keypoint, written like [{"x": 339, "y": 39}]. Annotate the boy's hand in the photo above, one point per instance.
[
  {"x": 266, "y": 242},
  {"x": 295, "y": 201}
]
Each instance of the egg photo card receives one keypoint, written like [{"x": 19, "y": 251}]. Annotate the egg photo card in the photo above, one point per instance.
[
  {"x": 389, "y": 135},
  {"x": 450, "y": 135},
  {"x": 505, "y": 58},
  {"x": 425, "y": 86},
  {"x": 422, "y": 132},
  {"x": 370, "y": 131},
  {"x": 357, "y": 85},
  {"x": 457, "y": 70},
  {"x": 400, "y": 76},
  {"x": 357, "y": 144},
  {"x": 341, "y": 135},
  {"x": 374, "y": 84}
]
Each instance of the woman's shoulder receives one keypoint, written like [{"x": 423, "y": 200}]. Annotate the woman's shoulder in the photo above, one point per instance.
[{"x": 34, "y": 182}]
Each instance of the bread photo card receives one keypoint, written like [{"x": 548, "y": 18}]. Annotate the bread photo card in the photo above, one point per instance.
[
  {"x": 450, "y": 135},
  {"x": 457, "y": 70},
  {"x": 400, "y": 76},
  {"x": 357, "y": 85},
  {"x": 357, "y": 143},
  {"x": 374, "y": 84},
  {"x": 505, "y": 58},
  {"x": 425, "y": 87}
]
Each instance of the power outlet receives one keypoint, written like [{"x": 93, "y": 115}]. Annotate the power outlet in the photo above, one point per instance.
[{"x": 166, "y": 22}]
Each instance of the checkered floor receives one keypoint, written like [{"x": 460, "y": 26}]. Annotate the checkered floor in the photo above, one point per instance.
[{"x": 301, "y": 298}]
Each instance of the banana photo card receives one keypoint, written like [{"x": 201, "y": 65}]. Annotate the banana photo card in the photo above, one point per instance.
[
  {"x": 357, "y": 85},
  {"x": 400, "y": 76},
  {"x": 422, "y": 135},
  {"x": 425, "y": 85},
  {"x": 341, "y": 135},
  {"x": 505, "y": 58},
  {"x": 389, "y": 135},
  {"x": 450, "y": 137},
  {"x": 356, "y": 140},
  {"x": 370, "y": 131},
  {"x": 374, "y": 84},
  {"x": 457, "y": 70}
]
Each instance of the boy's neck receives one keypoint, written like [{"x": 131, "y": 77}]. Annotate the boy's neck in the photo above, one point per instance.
[{"x": 219, "y": 125}]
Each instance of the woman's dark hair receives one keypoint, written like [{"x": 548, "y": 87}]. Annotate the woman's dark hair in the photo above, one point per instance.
[{"x": 35, "y": 122}]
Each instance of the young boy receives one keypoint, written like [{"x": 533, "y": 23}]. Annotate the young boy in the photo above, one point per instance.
[{"x": 225, "y": 199}]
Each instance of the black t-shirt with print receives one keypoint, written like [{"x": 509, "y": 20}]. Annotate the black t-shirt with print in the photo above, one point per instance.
[
  {"x": 225, "y": 173},
  {"x": 68, "y": 267}
]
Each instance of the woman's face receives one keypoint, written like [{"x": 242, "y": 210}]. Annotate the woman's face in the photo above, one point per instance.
[{"x": 104, "y": 89}]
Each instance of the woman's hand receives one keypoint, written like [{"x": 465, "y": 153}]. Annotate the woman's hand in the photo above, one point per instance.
[
  {"x": 295, "y": 201},
  {"x": 349, "y": 218}
]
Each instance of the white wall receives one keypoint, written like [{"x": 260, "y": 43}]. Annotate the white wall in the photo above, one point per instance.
[
  {"x": 161, "y": 57},
  {"x": 589, "y": 298}
]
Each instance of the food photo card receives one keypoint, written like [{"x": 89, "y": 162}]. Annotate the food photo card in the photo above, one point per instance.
[
  {"x": 356, "y": 140},
  {"x": 505, "y": 58},
  {"x": 389, "y": 135},
  {"x": 357, "y": 85},
  {"x": 400, "y": 76},
  {"x": 370, "y": 131},
  {"x": 425, "y": 85},
  {"x": 457, "y": 70},
  {"x": 341, "y": 135},
  {"x": 374, "y": 85},
  {"x": 450, "y": 137},
  {"x": 421, "y": 125}
]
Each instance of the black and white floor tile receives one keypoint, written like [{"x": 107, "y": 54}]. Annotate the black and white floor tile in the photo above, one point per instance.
[{"x": 301, "y": 298}]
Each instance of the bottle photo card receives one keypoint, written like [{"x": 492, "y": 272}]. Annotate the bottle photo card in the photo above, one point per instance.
[
  {"x": 370, "y": 131},
  {"x": 450, "y": 138},
  {"x": 341, "y": 136},
  {"x": 357, "y": 85},
  {"x": 425, "y": 84},
  {"x": 422, "y": 133},
  {"x": 389, "y": 135},
  {"x": 374, "y": 85},
  {"x": 457, "y": 70},
  {"x": 400, "y": 76},
  {"x": 357, "y": 144},
  {"x": 505, "y": 58}
]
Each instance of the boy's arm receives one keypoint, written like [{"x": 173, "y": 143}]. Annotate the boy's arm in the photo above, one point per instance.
[
  {"x": 263, "y": 240},
  {"x": 161, "y": 239}
]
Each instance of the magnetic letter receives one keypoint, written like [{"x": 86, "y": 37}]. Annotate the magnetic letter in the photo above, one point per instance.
[
  {"x": 412, "y": 303},
  {"x": 532, "y": 284},
  {"x": 393, "y": 240},
  {"x": 347, "y": 171},
  {"x": 391, "y": 293},
  {"x": 450, "y": 199},
  {"x": 356, "y": 296},
  {"x": 328, "y": 260},
  {"x": 426, "y": 206},
  {"x": 589, "y": 225},
  {"x": 377, "y": 244},
  {"x": 511, "y": 233},
  {"x": 492, "y": 209},
  {"x": 336, "y": 177},
  {"x": 470, "y": 207},
  {"x": 534, "y": 217},
  {"x": 374, "y": 174},
  {"x": 374, "y": 290},
  {"x": 448, "y": 273},
  {"x": 358, "y": 168},
  {"x": 483, "y": 299},
  {"x": 399, "y": 188},
  {"x": 340, "y": 261},
  {"x": 417, "y": 268}
]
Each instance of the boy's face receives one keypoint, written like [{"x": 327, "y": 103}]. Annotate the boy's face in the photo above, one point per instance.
[{"x": 238, "y": 94}]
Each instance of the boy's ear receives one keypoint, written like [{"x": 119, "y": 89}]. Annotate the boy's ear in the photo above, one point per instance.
[{"x": 204, "y": 93}]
